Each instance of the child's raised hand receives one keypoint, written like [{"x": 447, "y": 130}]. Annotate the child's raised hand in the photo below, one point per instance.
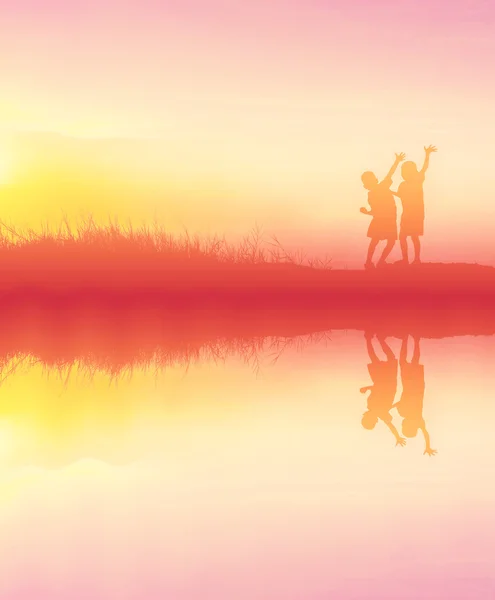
[
  {"x": 400, "y": 156},
  {"x": 430, "y": 149},
  {"x": 364, "y": 210}
]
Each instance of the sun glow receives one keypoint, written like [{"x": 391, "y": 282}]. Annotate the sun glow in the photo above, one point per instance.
[{"x": 4, "y": 169}]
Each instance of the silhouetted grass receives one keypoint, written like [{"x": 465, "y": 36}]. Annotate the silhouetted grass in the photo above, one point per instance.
[
  {"x": 116, "y": 298},
  {"x": 90, "y": 244}
]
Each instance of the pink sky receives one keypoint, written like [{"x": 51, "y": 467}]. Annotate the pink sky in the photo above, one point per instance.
[{"x": 260, "y": 108}]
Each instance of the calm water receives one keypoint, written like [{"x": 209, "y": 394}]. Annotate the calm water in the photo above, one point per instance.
[{"x": 253, "y": 481}]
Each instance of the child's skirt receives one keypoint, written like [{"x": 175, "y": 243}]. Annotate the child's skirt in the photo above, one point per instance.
[{"x": 383, "y": 228}]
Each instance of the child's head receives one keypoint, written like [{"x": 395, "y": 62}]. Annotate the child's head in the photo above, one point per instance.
[
  {"x": 410, "y": 428},
  {"x": 409, "y": 170},
  {"x": 369, "y": 180},
  {"x": 369, "y": 420}
]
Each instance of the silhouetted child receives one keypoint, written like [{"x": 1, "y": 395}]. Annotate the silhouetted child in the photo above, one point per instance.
[
  {"x": 410, "y": 406},
  {"x": 383, "y": 210},
  {"x": 382, "y": 396},
  {"x": 413, "y": 208}
]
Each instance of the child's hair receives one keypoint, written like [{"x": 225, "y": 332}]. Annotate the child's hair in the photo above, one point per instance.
[
  {"x": 369, "y": 420},
  {"x": 409, "y": 170},
  {"x": 410, "y": 428},
  {"x": 369, "y": 179}
]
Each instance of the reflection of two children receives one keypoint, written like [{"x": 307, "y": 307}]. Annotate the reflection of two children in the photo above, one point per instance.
[{"x": 384, "y": 388}]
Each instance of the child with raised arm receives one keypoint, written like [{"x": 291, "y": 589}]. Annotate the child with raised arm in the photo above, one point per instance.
[
  {"x": 383, "y": 225},
  {"x": 410, "y": 406},
  {"x": 413, "y": 208},
  {"x": 383, "y": 373}
]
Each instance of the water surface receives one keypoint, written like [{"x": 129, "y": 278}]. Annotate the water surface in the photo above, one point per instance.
[{"x": 251, "y": 478}]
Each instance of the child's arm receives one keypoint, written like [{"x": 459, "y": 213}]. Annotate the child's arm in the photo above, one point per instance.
[
  {"x": 371, "y": 351},
  {"x": 399, "y": 441},
  {"x": 365, "y": 211},
  {"x": 428, "y": 449},
  {"x": 398, "y": 159},
  {"x": 426, "y": 164},
  {"x": 386, "y": 349}
]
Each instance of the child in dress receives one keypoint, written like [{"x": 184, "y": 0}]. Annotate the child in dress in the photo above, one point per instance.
[
  {"x": 410, "y": 406},
  {"x": 413, "y": 208},
  {"x": 384, "y": 212},
  {"x": 383, "y": 373}
]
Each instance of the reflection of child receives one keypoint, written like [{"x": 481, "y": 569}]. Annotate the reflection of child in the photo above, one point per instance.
[
  {"x": 410, "y": 406},
  {"x": 413, "y": 208},
  {"x": 383, "y": 210},
  {"x": 381, "y": 399}
]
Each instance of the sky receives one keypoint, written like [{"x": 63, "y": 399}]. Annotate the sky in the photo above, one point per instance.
[{"x": 217, "y": 115}]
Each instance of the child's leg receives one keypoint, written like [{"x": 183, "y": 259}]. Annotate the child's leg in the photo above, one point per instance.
[
  {"x": 403, "y": 349},
  {"x": 417, "y": 248},
  {"x": 403, "y": 247},
  {"x": 416, "y": 354},
  {"x": 387, "y": 250},
  {"x": 371, "y": 250}
]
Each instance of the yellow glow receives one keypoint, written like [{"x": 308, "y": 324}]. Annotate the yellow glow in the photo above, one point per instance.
[
  {"x": 4, "y": 168},
  {"x": 6, "y": 438}
]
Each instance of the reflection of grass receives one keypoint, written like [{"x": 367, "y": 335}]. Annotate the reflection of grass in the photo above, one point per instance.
[
  {"x": 117, "y": 362},
  {"x": 92, "y": 335},
  {"x": 112, "y": 299}
]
